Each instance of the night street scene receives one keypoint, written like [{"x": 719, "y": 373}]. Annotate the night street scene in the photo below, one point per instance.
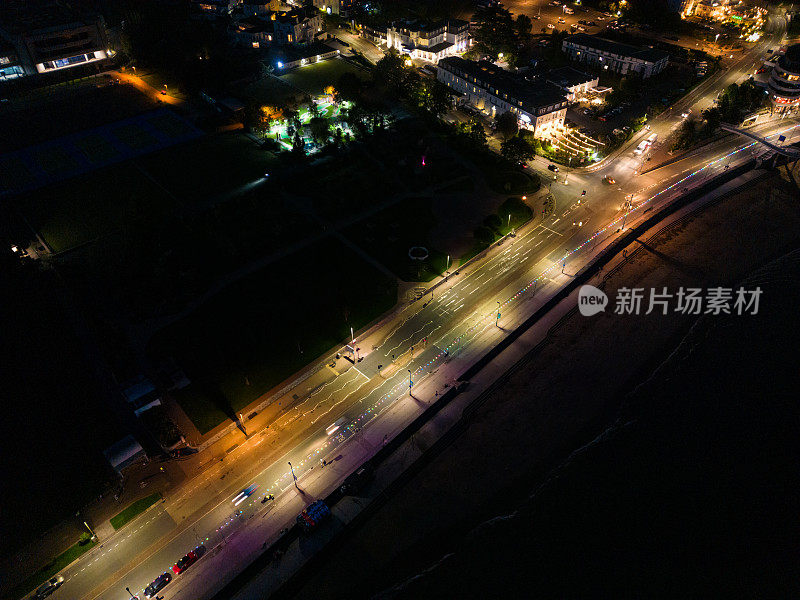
[{"x": 400, "y": 299}]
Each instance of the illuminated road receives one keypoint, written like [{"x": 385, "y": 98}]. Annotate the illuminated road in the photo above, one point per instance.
[{"x": 446, "y": 333}]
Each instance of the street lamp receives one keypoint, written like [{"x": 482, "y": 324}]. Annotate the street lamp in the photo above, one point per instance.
[
  {"x": 293, "y": 475},
  {"x": 127, "y": 589},
  {"x": 410, "y": 382},
  {"x": 498, "y": 314}
]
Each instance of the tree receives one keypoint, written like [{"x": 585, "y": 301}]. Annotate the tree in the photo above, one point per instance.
[
  {"x": 320, "y": 129},
  {"x": 523, "y": 26},
  {"x": 298, "y": 144},
  {"x": 516, "y": 149},
  {"x": 495, "y": 31},
  {"x": 391, "y": 72},
  {"x": 433, "y": 96},
  {"x": 476, "y": 133},
  {"x": 483, "y": 235},
  {"x": 507, "y": 124},
  {"x": 349, "y": 87}
]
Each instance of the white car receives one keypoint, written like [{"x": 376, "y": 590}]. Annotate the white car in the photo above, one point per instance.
[
  {"x": 686, "y": 114},
  {"x": 48, "y": 587},
  {"x": 551, "y": 26}
]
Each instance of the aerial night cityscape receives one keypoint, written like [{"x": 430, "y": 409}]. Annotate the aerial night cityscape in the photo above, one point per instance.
[{"x": 400, "y": 299}]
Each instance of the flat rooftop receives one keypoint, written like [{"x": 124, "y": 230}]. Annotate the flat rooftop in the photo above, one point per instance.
[
  {"x": 24, "y": 16},
  {"x": 598, "y": 43}
]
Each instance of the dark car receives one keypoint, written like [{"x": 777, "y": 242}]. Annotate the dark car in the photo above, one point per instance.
[
  {"x": 162, "y": 580},
  {"x": 188, "y": 559},
  {"x": 553, "y": 168},
  {"x": 48, "y": 587}
]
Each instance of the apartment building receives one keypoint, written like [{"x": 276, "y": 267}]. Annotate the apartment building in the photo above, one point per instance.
[
  {"x": 45, "y": 37},
  {"x": 619, "y": 58},
  {"x": 539, "y": 105},
  {"x": 429, "y": 41}
]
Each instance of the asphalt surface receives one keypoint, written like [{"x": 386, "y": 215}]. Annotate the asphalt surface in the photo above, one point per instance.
[{"x": 447, "y": 332}]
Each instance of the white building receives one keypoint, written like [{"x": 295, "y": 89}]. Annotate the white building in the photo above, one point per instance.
[
  {"x": 429, "y": 41},
  {"x": 619, "y": 58},
  {"x": 47, "y": 38},
  {"x": 540, "y": 106},
  {"x": 574, "y": 83},
  {"x": 334, "y": 7},
  {"x": 297, "y": 25}
]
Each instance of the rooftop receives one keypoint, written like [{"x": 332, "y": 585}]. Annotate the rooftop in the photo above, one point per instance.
[
  {"x": 598, "y": 43},
  {"x": 26, "y": 16},
  {"x": 532, "y": 94},
  {"x": 567, "y": 77}
]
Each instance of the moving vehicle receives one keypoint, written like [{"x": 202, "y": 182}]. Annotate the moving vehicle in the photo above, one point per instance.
[
  {"x": 48, "y": 587},
  {"x": 551, "y": 26},
  {"x": 609, "y": 180},
  {"x": 561, "y": 20},
  {"x": 338, "y": 424},
  {"x": 244, "y": 494},
  {"x": 158, "y": 583},
  {"x": 188, "y": 559},
  {"x": 645, "y": 144},
  {"x": 553, "y": 168}
]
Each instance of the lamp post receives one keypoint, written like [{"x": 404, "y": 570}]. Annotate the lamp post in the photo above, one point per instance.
[
  {"x": 447, "y": 267},
  {"x": 410, "y": 382},
  {"x": 497, "y": 319},
  {"x": 127, "y": 589},
  {"x": 293, "y": 475}
]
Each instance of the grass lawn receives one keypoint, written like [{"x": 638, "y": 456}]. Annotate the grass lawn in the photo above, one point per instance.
[
  {"x": 133, "y": 136},
  {"x": 55, "y": 160},
  {"x": 313, "y": 79},
  {"x": 512, "y": 213},
  {"x": 262, "y": 329},
  {"x": 46, "y": 572},
  {"x": 56, "y": 111},
  {"x": 389, "y": 234},
  {"x": 96, "y": 148},
  {"x": 270, "y": 90},
  {"x": 508, "y": 181},
  {"x": 134, "y": 510},
  {"x": 208, "y": 166},
  {"x": 81, "y": 209}
]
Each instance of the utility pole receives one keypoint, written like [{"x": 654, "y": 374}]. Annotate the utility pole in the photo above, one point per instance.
[{"x": 627, "y": 211}]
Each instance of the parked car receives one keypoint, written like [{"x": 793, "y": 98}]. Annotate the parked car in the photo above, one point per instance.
[
  {"x": 158, "y": 583},
  {"x": 561, "y": 20},
  {"x": 188, "y": 559},
  {"x": 609, "y": 180},
  {"x": 551, "y": 26},
  {"x": 48, "y": 587},
  {"x": 553, "y": 168}
]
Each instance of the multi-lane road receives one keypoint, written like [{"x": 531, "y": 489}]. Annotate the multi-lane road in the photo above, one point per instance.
[{"x": 428, "y": 342}]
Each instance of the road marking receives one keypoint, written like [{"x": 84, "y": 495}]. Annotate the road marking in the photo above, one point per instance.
[
  {"x": 548, "y": 229},
  {"x": 335, "y": 372}
]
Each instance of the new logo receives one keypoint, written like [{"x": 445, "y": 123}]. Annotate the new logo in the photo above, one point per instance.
[{"x": 591, "y": 300}]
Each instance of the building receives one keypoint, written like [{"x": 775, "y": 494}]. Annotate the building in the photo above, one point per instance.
[
  {"x": 619, "y": 58},
  {"x": 253, "y": 31},
  {"x": 429, "y": 41},
  {"x": 374, "y": 33},
  {"x": 46, "y": 37},
  {"x": 539, "y": 105},
  {"x": 260, "y": 7},
  {"x": 297, "y": 25},
  {"x": 211, "y": 9},
  {"x": 10, "y": 64},
  {"x": 291, "y": 57},
  {"x": 573, "y": 82},
  {"x": 335, "y": 7},
  {"x": 124, "y": 453},
  {"x": 784, "y": 81}
]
